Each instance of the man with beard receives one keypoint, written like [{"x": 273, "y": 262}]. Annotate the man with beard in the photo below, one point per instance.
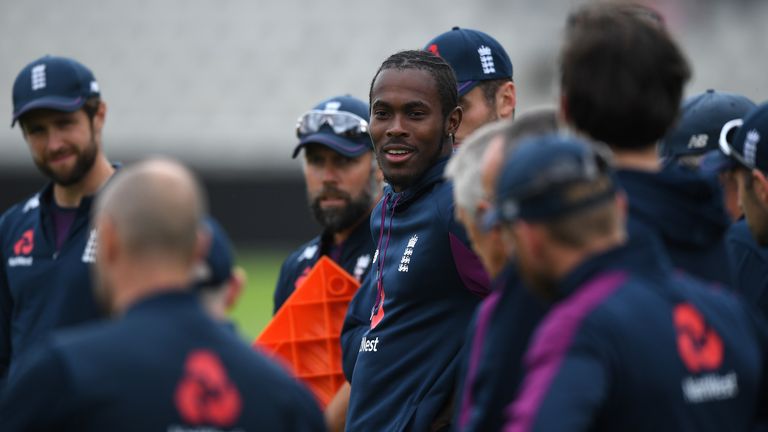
[
  {"x": 46, "y": 242},
  {"x": 343, "y": 184},
  {"x": 163, "y": 363},
  {"x": 484, "y": 75},
  {"x": 427, "y": 281},
  {"x": 628, "y": 344}
]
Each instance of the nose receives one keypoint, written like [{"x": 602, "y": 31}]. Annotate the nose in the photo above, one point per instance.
[
  {"x": 329, "y": 174},
  {"x": 55, "y": 140},
  {"x": 396, "y": 128}
]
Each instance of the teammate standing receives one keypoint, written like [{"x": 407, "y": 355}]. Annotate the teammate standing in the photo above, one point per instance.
[
  {"x": 748, "y": 239},
  {"x": 46, "y": 242},
  {"x": 343, "y": 184},
  {"x": 622, "y": 79},
  {"x": 484, "y": 74},
  {"x": 164, "y": 363},
  {"x": 427, "y": 281},
  {"x": 628, "y": 343},
  {"x": 505, "y": 320}
]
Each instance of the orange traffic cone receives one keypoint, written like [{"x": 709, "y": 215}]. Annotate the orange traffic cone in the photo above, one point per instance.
[{"x": 305, "y": 332}]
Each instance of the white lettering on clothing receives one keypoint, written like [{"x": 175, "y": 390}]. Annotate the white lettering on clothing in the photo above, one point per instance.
[
  {"x": 711, "y": 387},
  {"x": 369, "y": 345}
]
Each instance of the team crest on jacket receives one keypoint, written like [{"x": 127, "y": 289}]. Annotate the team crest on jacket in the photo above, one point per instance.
[
  {"x": 205, "y": 395},
  {"x": 22, "y": 249},
  {"x": 701, "y": 351},
  {"x": 407, "y": 254},
  {"x": 89, "y": 253}
]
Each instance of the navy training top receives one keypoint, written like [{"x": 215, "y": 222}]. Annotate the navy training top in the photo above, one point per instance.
[
  {"x": 427, "y": 283},
  {"x": 749, "y": 265},
  {"x": 632, "y": 346},
  {"x": 164, "y": 365},
  {"x": 685, "y": 211},
  {"x": 354, "y": 256},
  {"x": 43, "y": 288}
]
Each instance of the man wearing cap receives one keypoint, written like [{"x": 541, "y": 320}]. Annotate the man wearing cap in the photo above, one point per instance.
[
  {"x": 628, "y": 344},
  {"x": 505, "y": 320},
  {"x": 218, "y": 281},
  {"x": 693, "y": 141},
  {"x": 162, "y": 364},
  {"x": 343, "y": 184},
  {"x": 484, "y": 74},
  {"x": 46, "y": 242},
  {"x": 747, "y": 240},
  {"x": 426, "y": 280},
  {"x": 614, "y": 95}
]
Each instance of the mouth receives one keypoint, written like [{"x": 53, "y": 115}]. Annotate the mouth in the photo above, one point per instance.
[
  {"x": 61, "y": 158},
  {"x": 397, "y": 153}
]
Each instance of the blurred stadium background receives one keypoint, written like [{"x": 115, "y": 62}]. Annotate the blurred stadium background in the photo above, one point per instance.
[{"x": 219, "y": 84}]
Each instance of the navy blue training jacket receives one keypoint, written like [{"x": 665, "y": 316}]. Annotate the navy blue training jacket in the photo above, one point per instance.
[
  {"x": 685, "y": 211},
  {"x": 493, "y": 368},
  {"x": 427, "y": 283},
  {"x": 749, "y": 265},
  {"x": 354, "y": 256},
  {"x": 41, "y": 288},
  {"x": 165, "y": 365},
  {"x": 634, "y": 347}
]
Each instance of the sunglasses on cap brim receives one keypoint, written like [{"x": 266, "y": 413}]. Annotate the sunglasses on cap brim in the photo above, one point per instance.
[{"x": 342, "y": 123}]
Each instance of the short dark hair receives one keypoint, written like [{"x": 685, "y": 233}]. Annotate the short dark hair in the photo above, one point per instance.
[
  {"x": 490, "y": 88},
  {"x": 437, "y": 67},
  {"x": 622, "y": 75}
]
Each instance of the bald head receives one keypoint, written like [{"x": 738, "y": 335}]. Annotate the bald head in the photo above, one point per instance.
[{"x": 155, "y": 207}]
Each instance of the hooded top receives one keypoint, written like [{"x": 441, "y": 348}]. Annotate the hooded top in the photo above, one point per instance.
[
  {"x": 427, "y": 283},
  {"x": 686, "y": 213}
]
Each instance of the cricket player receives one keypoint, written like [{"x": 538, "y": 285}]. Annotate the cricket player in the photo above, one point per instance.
[
  {"x": 622, "y": 78},
  {"x": 426, "y": 281},
  {"x": 484, "y": 73},
  {"x": 164, "y": 363},
  {"x": 506, "y": 319},
  {"x": 628, "y": 344},
  {"x": 343, "y": 184},
  {"x": 46, "y": 241},
  {"x": 748, "y": 239}
]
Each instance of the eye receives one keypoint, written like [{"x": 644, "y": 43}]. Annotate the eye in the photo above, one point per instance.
[
  {"x": 417, "y": 114},
  {"x": 380, "y": 114},
  {"x": 34, "y": 129}
]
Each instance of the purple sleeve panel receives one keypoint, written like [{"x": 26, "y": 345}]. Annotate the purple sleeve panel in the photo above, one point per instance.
[
  {"x": 469, "y": 267},
  {"x": 485, "y": 312},
  {"x": 550, "y": 346}
]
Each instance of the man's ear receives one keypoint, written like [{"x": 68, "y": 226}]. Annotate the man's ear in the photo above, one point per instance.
[
  {"x": 235, "y": 287},
  {"x": 760, "y": 186},
  {"x": 100, "y": 116},
  {"x": 506, "y": 99},
  {"x": 454, "y": 121}
]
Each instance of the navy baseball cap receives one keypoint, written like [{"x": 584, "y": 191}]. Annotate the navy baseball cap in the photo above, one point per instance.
[
  {"x": 701, "y": 118},
  {"x": 474, "y": 56},
  {"x": 57, "y": 83},
  {"x": 533, "y": 185},
  {"x": 339, "y": 123},
  {"x": 218, "y": 264},
  {"x": 748, "y": 147}
]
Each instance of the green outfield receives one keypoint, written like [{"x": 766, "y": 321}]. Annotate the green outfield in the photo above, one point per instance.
[{"x": 254, "y": 309}]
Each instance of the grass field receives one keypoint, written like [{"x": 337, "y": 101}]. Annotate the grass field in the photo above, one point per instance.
[{"x": 254, "y": 309}]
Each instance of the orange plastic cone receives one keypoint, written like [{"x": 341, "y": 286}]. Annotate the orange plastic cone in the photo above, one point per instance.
[{"x": 305, "y": 332}]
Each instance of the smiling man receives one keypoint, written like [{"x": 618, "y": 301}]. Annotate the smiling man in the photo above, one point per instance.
[
  {"x": 426, "y": 280},
  {"x": 46, "y": 243}
]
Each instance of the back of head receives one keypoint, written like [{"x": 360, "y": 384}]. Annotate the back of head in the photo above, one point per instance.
[
  {"x": 439, "y": 69},
  {"x": 531, "y": 123},
  {"x": 156, "y": 208},
  {"x": 622, "y": 75}
]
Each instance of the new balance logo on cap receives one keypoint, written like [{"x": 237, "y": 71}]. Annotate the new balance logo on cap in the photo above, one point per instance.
[
  {"x": 38, "y": 77},
  {"x": 486, "y": 60},
  {"x": 698, "y": 141},
  {"x": 333, "y": 106}
]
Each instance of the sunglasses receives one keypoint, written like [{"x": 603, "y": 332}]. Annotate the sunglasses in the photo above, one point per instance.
[{"x": 342, "y": 123}]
